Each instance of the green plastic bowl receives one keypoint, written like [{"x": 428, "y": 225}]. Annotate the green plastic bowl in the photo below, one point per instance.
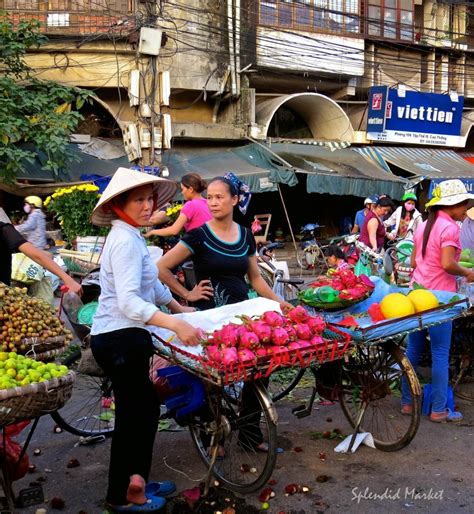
[{"x": 86, "y": 313}]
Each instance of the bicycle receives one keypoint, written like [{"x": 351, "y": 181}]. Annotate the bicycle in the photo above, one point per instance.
[
  {"x": 286, "y": 288},
  {"x": 310, "y": 255},
  {"x": 367, "y": 385},
  {"x": 90, "y": 411},
  {"x": 222, "y": 427}
]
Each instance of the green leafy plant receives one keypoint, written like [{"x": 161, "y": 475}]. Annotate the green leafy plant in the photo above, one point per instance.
[
  {"x": 72, "y": 207},
  {"x": 34, "y": 114}
]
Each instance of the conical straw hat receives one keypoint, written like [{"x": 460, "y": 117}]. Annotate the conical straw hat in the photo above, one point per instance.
[{"x": 123, "y": 180}]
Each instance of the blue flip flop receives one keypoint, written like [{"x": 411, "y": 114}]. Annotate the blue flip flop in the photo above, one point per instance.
[
  {"x": 263, "y": 448},
  {"x": 153, "y": 504},
  {"x": 160, "y": 488}
]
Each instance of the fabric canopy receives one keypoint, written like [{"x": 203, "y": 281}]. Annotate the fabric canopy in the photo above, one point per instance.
[
  {"x": 33, "y": 179},
  {"x": 253, "y": 164},
  {"x": 423, "y": 162},
  {"x": 339, "y": 172}
]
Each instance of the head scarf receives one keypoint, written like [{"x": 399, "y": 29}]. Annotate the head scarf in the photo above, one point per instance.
[{"x": 240, "y": 189}]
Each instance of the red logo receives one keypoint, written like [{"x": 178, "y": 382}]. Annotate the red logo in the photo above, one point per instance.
[{"x": 377, "y": 99}]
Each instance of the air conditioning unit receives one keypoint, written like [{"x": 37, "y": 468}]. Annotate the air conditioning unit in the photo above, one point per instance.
[{"x": 131, "y": 142}]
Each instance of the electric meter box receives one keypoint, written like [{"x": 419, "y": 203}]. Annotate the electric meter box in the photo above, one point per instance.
[{"x": 150, "y": 41}]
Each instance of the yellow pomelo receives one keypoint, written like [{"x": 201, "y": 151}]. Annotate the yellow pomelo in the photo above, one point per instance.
[
  {"x": 396, "y": 305},
  {"x": 423, "y": 299}
]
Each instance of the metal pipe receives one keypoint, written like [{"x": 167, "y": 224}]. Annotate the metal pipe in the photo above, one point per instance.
[
  {"x": 230, "y": 30},
  {"x": 237, "y": 44}
]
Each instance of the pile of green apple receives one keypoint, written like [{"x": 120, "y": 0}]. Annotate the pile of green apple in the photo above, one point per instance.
[{"x": 17, "y": 370}]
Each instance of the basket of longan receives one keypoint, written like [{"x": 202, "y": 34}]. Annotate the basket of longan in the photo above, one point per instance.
[
  {"x": 30, "y": 326},
  {"x": 29, "y": 388}
]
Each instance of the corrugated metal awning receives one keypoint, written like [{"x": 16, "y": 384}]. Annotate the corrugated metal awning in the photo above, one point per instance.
[
  {"x": 339, "y": 172},
  {"x": 423, "y": 162}
]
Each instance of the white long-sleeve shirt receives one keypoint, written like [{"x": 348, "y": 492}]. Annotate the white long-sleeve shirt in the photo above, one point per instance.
[
  {"x": 130, "y": 289},
  {"x": 395, "y": 218},
  {"x": 34, "y": 229}
]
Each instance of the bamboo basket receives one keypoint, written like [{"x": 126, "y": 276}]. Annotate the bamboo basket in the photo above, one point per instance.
[{"x": 34, "y": 400}]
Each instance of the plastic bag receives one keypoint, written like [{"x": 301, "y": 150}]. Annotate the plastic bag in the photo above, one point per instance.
[
  {"x": 362, "y": 266},
  {"x": 26, "y": 270},
  {"x": 11, "y": 452},
  {"x": 256, "y": 226}
]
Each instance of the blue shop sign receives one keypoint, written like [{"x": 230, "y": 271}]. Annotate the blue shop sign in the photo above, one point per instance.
[
  {"x": 468, "y": 182},
  {"x": 398, "y": 116}
]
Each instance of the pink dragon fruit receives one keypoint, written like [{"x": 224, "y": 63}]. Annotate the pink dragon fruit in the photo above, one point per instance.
[
  {"x": 316, "y": 340},
  {"x": 261, "y": 352},
  {"x": 298, "y": 314},
  {"x": 229, "y": 335},
  {"x": 214, "y": 353},
  {"x": 303, "y": 344},
  {"x": 294, "y": 345},
  {"x": 316, "y": 324},
  {"x": 290, "y": 330},
  {"x": 262, "y": 330},
  {"x": 248, "y": 340},
  {"x": 280, "y": 336},
  {"x": 277, "y": 350},
  {"x": 273, "y": 319},
  {"x": 303, "y": 331},
  {"x": 247, "y": 356},
  {"x": 230, "y": 356}
]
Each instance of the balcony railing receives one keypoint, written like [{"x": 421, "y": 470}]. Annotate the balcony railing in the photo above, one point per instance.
[{"x": 73, "y": 17}]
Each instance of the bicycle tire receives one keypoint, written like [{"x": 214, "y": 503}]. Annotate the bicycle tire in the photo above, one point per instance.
[
  {"x": 463, "y": 382},
  {"x": 371, "y": 376},
  {"x": 229, "y": 470},
  {"x": 279, "y": 387},
  {"x": 82, "y": 416}
]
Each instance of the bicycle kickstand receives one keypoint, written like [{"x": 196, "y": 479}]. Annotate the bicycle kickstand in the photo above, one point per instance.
[
  {"x": 360, "y": 416},
  {"x": 301, "y": 411}
]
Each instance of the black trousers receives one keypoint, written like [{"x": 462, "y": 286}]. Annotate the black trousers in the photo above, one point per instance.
[{"x": 124, "y": 355}]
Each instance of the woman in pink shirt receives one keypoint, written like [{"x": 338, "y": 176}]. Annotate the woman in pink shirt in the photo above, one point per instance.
[
  {"x": 195, "y": 211},
  {"x": 435, "y": 259}
]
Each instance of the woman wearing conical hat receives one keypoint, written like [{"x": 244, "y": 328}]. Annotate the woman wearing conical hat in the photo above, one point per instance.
[
  {"x": 121, "y": 342},
  {"x": 435, "y": 259}
]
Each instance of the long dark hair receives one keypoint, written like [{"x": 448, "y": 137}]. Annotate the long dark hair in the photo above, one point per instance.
[
  {"x": 195, "y": 181},
  {"x": 431, "y": 220}
]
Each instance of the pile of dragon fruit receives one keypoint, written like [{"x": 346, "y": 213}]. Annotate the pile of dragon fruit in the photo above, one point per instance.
[
  {"x": 348, "y": 285},
  {"x": 269, "y": 335}
]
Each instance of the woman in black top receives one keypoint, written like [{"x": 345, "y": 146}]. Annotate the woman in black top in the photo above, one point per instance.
[{"x": 223, "y": 253}]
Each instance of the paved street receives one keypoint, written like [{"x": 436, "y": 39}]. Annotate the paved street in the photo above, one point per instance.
[{"x": 433, "y": 474}]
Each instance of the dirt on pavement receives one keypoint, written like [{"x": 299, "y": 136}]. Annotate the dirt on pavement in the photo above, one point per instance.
[{"x": 433, "y": 474}]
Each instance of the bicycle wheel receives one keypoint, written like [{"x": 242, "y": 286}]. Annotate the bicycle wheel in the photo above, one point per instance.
[
  {"x": 226, "y": 425},
  {"x": 371, "y": 387},
  {"x": 88, "y": 411},
  {"x": 283, "y": 381},
  {"x": 462, "y": 353}
]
